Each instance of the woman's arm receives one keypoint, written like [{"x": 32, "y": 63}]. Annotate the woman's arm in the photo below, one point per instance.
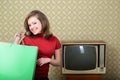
[
  {"x": 57, "y": 58},
  {"x": 56, "y": 61}
]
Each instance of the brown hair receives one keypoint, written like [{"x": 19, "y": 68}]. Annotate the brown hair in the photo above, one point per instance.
[{"x": 44, "y": 21}]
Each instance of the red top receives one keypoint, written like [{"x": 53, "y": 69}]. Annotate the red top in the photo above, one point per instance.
[{"x": 46, "y": 48}]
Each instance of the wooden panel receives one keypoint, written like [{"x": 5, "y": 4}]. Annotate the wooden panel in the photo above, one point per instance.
[{"x": 84, "y": 77}]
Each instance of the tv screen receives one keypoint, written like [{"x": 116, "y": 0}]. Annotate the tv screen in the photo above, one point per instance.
[
  {"x": 87, "y": 57},
  {"x": 80, "y": 57}
]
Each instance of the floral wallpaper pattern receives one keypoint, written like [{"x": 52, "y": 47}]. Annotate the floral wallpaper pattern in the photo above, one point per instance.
[{"x": 70, "y": 20}]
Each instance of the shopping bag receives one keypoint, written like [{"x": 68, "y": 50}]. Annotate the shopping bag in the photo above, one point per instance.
[{"x": 17, "y": 62}]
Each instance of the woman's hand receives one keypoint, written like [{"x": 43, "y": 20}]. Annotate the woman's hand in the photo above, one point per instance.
[
  {"x": 42, "y": 61},
  {"x": 18, "y": 37}
]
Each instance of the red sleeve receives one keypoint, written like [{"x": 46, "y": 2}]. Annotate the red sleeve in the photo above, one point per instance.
[{"x": 58, "y": 44}]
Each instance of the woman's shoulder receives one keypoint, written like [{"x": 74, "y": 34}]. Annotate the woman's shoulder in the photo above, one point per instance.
[
  {"x": 54, "y": 37},
  {"x": 27, "y": 38}
]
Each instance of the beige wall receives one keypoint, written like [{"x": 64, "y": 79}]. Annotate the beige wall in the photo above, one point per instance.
[{"x": 71, "y": 20}]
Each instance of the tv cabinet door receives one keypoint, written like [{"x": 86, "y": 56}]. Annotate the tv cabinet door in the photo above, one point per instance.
[{"x": 84, "y": 77}]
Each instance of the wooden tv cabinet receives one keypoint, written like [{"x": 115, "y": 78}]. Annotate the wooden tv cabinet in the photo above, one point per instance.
[{"x": 83, "y": 77}]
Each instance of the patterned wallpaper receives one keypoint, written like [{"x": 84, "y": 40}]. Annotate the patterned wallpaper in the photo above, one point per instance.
[{"x": 71, "y": 20}]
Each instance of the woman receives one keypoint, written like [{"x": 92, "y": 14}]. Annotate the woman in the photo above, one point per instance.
[{"x": 38, "y": 34}]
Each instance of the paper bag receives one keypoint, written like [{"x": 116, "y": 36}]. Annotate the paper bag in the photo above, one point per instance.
[{"x": 17, "y": 62}]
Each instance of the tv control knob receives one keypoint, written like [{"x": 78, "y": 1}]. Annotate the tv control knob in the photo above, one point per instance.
[{"x": 102, "y": 68}]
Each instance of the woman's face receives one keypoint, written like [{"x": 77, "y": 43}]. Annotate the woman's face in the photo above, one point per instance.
[{"x": 35, "y": 25}]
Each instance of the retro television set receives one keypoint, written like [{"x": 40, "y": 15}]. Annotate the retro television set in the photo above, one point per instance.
[{"x": 84, "y": 57}]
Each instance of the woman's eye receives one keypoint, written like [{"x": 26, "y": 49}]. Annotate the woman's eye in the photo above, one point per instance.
[{"x": 34, "y": 22}]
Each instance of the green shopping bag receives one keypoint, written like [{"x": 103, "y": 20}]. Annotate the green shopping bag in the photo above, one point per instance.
[{"x": 17, "y": 62}]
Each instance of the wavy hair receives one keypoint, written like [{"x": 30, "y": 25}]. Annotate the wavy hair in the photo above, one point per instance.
[{"x": 44, "y": 21}]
